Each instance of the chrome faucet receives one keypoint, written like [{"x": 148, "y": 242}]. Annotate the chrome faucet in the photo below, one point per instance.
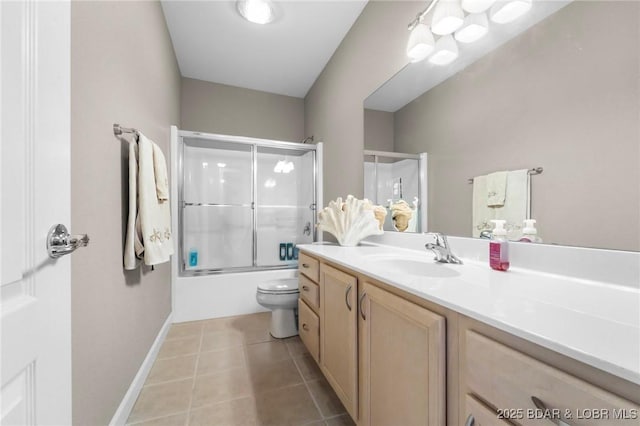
[{"x": 442, "y": 250}]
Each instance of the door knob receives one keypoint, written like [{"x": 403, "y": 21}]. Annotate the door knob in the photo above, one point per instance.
[{"x": 60, "y": 242}]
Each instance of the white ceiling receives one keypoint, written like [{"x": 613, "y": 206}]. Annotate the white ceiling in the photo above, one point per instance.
[{"x": 214, "y": 43}]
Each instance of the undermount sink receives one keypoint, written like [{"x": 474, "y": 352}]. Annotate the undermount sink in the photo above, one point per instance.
[{"x": 419, "y": 266}]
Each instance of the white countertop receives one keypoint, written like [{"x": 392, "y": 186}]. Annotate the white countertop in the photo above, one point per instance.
[{"x": 593, "y": 322}]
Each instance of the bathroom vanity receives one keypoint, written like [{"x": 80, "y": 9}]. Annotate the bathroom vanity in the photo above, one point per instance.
[{"x": 406, "y": 341}]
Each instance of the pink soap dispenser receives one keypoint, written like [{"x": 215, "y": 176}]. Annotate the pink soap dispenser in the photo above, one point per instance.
[{"x": 499, "y": 247}]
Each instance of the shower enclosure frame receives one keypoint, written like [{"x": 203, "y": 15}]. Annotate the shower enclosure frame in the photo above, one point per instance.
[
  {"x": 422, "y": 173},
  {"x": 254, "y": 144}
]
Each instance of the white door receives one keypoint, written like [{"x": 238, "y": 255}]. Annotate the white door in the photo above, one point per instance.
[{"x": 35, "y": 308}]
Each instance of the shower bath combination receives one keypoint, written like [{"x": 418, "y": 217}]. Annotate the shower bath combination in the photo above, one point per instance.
[{"x": 244, "y": 203}]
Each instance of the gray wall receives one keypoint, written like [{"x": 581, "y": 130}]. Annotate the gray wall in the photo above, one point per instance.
[
  {"x": 378, "y": 130},
  {"x": 218, "y": 108},
  {"x": 561, "y": 96},
  {"x": 372, "y": 52},
  {"x": 123, "y": 70}
]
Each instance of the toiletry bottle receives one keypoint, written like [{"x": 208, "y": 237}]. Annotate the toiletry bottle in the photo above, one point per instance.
[
  {"x": 529, "y": 232},
  {"x": 193, "y": 257},
  {"x": 499, "y": 247}
]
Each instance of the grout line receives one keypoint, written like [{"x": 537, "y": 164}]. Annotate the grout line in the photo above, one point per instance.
[
  {"x": 195, "y": 375},
  {"x": 306, "y": 385}
]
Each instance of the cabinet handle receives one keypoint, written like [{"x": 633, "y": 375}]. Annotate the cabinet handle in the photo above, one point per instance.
[
  {"x": 305, "y": 327},
  {"x": 346, "y": 297},
  {"x": 305, "y": 265},
  {"x": 364, "y": 317},
  {"x": 542, "y": 406},
  {"x": 305, "y": 288},
  {"x": 470, "y": 421}
]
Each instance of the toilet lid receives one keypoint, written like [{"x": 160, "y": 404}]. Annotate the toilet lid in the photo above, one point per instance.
[{"x": 283, "y": 286}]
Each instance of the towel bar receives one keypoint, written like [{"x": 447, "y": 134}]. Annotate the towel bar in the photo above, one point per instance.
[{"x": 534, "y": 171}]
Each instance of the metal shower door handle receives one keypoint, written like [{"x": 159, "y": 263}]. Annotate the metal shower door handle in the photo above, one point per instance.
[{"x": 60, "y": 242}]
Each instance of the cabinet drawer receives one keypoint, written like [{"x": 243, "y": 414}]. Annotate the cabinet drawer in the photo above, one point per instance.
[
  {"x": 309, "y": 266},
  {"x": 477, "y": 414},
  {"x": 309, "y": 329},
  {"x": 310, "y": 292},
  {"x": 508, "y": 379}
]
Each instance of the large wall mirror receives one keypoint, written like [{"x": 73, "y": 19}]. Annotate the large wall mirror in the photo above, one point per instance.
[{"x": 558, "y": 90}]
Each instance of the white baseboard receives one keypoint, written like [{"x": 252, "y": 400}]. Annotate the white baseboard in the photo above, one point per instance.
[{"x": 123, "y": 411}]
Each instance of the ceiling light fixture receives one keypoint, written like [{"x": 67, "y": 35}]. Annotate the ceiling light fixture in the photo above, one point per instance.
[
  {"x": 447, "y": 17},
  {"x": 421, "y": 43},
  {"x": 476, "y": 6},
  {"x": 508, "y": 11},
  {"x": 256, "y": 11},
  {"x": 446, "y": 51},
  {"x": 474, "y": 28}
]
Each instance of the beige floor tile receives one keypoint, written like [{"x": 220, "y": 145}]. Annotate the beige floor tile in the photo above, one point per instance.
[
  {"x": 178, "y": 347},
  {"x": 344, "y": 420},
  {"x": 224, "y": 359},
  {"x": 258, "y": 336},
  {"x": 326, "y": 398},
  {"x": 238, "y": 412},
  {"x": 162, "y": 400},
  {"x": 295, "y": 346},
  {"x": 185, "y": 329},
  {"x": 167, "y": 369},
  {"x": 217, "y": 324},
  {"x": 175, "y": 420},
  {"x": 221, "y": 339},
  {"x": 222, "y": 386},
  {"x": 251, "y": 322},
  {"x": 286, "y": 406},
  {"x": 265, "y": 377},
  {"x": 308, "y": 367},
  {"x": 266, "y": 353}
]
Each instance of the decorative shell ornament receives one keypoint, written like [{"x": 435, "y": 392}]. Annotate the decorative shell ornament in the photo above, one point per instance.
[{"x": 350, "y": 221}]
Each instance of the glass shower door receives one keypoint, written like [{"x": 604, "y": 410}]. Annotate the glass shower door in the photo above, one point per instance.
[
  {"x": 285, "y": 190},
  {"x": 217, "y": 210}
]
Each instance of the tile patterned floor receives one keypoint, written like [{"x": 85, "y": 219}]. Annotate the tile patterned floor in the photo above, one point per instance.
[{"x": 231, "y": 372}]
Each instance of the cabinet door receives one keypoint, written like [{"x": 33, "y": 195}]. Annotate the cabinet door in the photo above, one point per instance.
[
  {"x": 402, "y": 368},
  {"x": 338, "y": 335}
]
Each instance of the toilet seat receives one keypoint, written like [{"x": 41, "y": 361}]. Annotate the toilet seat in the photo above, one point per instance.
[{"x": 282, "y": 286}]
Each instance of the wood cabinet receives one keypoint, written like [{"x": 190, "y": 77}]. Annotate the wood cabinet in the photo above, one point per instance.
[
  {"x": 402, "y": 361},
  {"x": 394, "y": 358},
  {"x": 339, "y": 336}
]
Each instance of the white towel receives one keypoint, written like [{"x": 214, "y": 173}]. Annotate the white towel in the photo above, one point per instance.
[
  {"x": 496, "y": 189},
  {"x": 155, "y": 216},
  {"x": 160, "y": 173},
  {"x": 481, "y": 213},
  {"x": 516, "y": 204},
  {"x": 132, "y": 242}
]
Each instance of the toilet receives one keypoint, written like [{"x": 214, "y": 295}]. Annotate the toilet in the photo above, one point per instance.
[{"x": 281, "y": 296}]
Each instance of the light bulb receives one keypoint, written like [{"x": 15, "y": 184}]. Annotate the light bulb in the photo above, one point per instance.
[
  {"x": 420, "y": 43},
  {"x": 447, "y": 17},
  {"x": 476, "y": 6},
  {"x": 446, "y": 51},
  {"x": 256, "y": 11},
  {"x": 474, "y": 28},
  {"x": 504, "y": 12}
]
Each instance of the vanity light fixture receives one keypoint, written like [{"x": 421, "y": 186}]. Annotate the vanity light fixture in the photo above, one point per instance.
[
  {"x": 446, "y": 51},
  {"x": 508, "y": 11},
  {"x": 476, "y": 6},
  {"x": 421, "y": 43},
  {"x": 256, "y": 11},
  {"x": 476, "y": 26},
  {"x": 447, "y": 17}
]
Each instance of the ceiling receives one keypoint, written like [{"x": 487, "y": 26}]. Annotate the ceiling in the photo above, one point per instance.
[{"x": 214, "y": 43}]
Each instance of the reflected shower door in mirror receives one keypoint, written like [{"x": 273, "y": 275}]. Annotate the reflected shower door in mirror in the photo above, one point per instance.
[
  {"x": 397, "y": 182},
  {"x": 543, "y": 91},
  {"x": 245, "y": 202}
]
